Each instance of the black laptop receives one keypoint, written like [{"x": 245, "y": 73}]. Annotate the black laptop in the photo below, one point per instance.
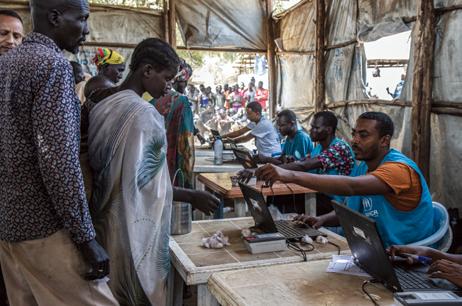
[
  {"x": 245, "y": 158},
  {"x": 215, "y": 133},
  {"x": 369, "y": 254},
  {"x": 231, "y": 145},
  {"x": 264, "y": 221}
]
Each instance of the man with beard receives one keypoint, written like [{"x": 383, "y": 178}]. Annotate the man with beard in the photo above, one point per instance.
[
  {"x": 332, "y": 156},
  {"x": 387, "y": 186},
  {"x": 48, "y": 250}
]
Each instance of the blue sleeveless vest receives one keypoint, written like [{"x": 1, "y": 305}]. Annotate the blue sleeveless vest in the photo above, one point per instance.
[{"x": 395, "y": 226}]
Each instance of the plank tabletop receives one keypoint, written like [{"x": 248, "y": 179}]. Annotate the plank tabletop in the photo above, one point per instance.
[
  {"x": 196, "y": 263},
  {"x": 298, "y": 284},
  {"x": 222, "y": 185}
]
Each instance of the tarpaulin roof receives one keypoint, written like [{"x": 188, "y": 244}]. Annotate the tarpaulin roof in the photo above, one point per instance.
[{"x": 223, "y": 23}]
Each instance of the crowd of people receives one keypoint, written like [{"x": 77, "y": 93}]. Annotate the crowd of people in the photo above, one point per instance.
[
  {"x": 227, "y": 97},
  {"x": 88, "y": 181}
]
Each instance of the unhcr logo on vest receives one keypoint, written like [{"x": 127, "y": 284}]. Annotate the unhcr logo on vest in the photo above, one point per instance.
[
  {"x": 367, "y": 204},
  {"x": 367, "y": 208}
]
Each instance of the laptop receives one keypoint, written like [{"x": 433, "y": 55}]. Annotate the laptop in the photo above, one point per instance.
[
  {"x": 369, "y": 254},
  {"x": 244, "y": 158},
  {"x": 231, "y": 144},
  {"x": 215, "y": 133},
  {"x": 264, "y": 221}
]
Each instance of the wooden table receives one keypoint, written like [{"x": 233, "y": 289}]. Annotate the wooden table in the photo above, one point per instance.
[
  {"x": 220, "y": 184},
  {"x": 298, "y": 284},
  {"x": 193, "y": 264}
]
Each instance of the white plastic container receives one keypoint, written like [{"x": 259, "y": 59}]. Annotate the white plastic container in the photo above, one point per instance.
[{"x": 218, "y": 151}]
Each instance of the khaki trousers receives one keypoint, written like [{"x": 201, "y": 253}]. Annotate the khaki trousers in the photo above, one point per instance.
[{"x": 48, "y": 272}]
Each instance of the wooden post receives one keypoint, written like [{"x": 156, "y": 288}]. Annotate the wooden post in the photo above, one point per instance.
[
  {"x": 172, "y": 23},
  {"x": 165, "y": 20},
  {"x": 422, "y": 85},
  {"x": 271, "y": 55},
  {"x": 320, "y": 90}
]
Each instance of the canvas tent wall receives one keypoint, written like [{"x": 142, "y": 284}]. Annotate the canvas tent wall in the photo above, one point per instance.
[
  {"x": 117, "y": 27},
  {"x": 349, "y": 22},
  {"x": 244, "y": 25}
]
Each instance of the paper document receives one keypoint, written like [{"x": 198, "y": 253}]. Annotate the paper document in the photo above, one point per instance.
[{"x": 344, "y": 264}]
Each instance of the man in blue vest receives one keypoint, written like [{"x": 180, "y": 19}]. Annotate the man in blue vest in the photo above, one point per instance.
[
  {"x": 387, "y": 186},
  {"x": 332, "y": 155},
  {"x": 297, "y": 143}
]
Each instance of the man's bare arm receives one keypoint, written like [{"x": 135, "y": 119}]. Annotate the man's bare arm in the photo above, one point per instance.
[{"x": 330, "y": 184}]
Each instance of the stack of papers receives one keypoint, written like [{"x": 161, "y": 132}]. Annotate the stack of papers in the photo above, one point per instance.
[{"x": 344, "y": 264}]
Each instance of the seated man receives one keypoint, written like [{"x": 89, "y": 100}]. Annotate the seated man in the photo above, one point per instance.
[
  {"x": 297, "y": 143},
  {"x": 387, "y": 186},
  {"x": 266, "y": 137},
  {"x": 332, "y": 155},
  {"x": 444, "y": 265}
]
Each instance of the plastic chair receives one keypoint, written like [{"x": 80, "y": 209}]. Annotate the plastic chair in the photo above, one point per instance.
[{"x": 442, "y": 238}]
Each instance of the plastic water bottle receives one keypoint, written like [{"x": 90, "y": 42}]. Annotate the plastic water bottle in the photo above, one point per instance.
[{"x": 218, "y": 151}]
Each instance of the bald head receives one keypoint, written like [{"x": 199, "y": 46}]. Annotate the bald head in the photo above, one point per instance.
[{"x": 64, "y": 21}]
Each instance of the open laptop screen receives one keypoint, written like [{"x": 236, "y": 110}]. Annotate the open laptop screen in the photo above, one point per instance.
[
  {"x": 258, "y": 209},
  {"x": 244, "y": 157},
  {"x": 366, "y": 245}
]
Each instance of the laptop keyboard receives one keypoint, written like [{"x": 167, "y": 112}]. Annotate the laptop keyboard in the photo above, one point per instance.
[
  {"x": 290, "y": 232},
  {"x": 412, "y": 280}
]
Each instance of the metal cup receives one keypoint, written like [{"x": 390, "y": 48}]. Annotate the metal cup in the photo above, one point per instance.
[{"x": 181, "y": 218}]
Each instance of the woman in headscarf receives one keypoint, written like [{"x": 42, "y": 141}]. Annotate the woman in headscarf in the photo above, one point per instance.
[
  {"x": 110, "y": 64},
  {"x": 179, "y": 123},
  {"x": 111, "y": 67}
]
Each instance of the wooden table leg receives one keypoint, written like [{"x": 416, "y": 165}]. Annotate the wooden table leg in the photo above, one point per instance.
[
  {"x": 204, "y": 297},
  {"x": 240, "y": 207},
  {"x": 176, "y": 286},
  {"x": 310, "y": 204}
]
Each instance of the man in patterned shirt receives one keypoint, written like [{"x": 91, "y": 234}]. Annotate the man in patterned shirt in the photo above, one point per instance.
[
  {"x": 332, "y": 155},
  {"x": 48, "y": 251}
]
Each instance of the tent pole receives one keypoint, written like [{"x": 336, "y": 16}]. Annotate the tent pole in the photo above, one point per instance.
[
  {"x": 422, "y": 85},
  {"x": 165, "y": 20},
  {"x": 320, "y": 83},
  {"x": 271, "y": 55},
  {"x": 172, "y": 23}
]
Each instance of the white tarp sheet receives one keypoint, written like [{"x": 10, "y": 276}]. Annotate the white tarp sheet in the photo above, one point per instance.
[
  {"x": 447, "y": 81},
  {"x": 446, "y": 159},
  {"x": 110, "y": 25},
  {"x": 106, "y": 25},
  {"x": 298, "y": 28},
  {"x": 345, "y": 68},
  {"x": 297, "y": 81},
  {"x": 223, "y": 23}
]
